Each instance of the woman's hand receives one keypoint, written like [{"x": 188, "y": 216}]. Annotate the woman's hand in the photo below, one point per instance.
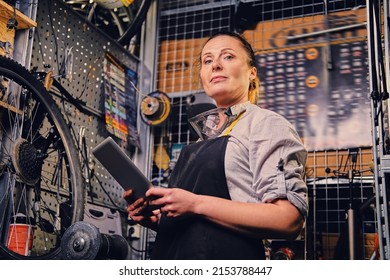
[
  {"x": 139, "y": 212},
  {"x": 173, "y": 202}
]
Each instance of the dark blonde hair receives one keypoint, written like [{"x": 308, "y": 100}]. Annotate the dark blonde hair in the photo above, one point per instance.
[{"x": 254, "y": 86}]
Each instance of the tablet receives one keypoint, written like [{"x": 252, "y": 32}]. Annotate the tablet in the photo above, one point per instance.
[{"x": 121, "y": 167}]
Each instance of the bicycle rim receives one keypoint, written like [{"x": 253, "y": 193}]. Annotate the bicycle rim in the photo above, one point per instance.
[
  {"x": 41, "y": 187},
  {"x": 121, "y": 23}
]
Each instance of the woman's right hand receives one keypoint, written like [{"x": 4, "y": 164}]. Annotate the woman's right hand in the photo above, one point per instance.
[{"x": 139, "y": 212}]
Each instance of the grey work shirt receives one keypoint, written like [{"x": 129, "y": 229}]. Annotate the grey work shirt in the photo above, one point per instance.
[{"x": 265, "y": 159}]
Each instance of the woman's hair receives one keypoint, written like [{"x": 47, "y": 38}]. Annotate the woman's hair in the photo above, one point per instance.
[{"x": 254, "y": 86}]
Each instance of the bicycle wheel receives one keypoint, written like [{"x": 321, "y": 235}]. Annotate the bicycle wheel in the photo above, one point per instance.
[
  {"x": 41, "y": 186},
  {"x": 119, "y": 21}
]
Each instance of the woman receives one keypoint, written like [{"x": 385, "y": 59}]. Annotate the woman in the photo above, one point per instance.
[{"x": 242, "y": 183}]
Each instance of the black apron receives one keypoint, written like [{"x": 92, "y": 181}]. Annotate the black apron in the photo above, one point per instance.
[{"x": 200, "y": 169}]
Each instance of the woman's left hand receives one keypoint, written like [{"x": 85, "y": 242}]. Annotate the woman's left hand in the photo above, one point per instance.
[{"x": 173, "y": 202}]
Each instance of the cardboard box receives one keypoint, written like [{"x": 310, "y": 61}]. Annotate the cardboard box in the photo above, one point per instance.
[
  {"x": 176, "y": 71},
  {"x": 319, "y": 161}
]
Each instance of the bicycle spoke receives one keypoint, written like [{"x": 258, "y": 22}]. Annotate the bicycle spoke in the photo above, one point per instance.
[{"x": 40, "y": 177}]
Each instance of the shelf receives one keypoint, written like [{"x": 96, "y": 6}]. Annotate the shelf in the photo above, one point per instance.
[
  {"x": 7, "y": 35},
  {"x": 7, "y": 12}
]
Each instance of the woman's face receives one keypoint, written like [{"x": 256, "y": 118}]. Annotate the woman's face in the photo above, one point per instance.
[{"x": 225, "y": 73}]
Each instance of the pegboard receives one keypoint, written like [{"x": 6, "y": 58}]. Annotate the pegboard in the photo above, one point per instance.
[{"x": 61, "y": 30}]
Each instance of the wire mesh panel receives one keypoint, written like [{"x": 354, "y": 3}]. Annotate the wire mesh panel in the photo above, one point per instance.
[
  {"x": 183, "y": 27},
  {"x": 312, "y": 66},
  {"x": 340, "y": 180}
]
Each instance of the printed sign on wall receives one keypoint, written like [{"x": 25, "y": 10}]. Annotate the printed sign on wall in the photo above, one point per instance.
[
  {"x": 318, "y": 82},
  {"x": 120, "y": 100}
]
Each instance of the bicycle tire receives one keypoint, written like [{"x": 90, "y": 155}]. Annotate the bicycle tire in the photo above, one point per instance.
[
  {"x": 41, "y": 185},
  {"x": 124, "y": 30},
  {"x": 136, "y": 24}
]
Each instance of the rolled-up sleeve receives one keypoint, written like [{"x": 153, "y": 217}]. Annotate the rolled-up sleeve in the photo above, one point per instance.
[{"x": 277, "y": 160}]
